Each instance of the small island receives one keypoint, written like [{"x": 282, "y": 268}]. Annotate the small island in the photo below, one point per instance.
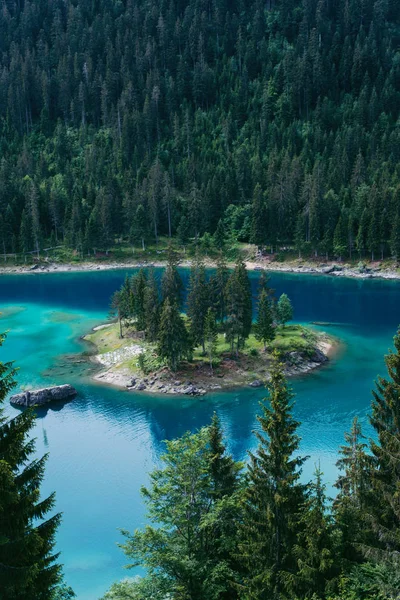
[{"x": 152, "y": 346}]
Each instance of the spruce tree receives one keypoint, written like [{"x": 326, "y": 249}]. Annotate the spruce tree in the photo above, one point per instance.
[
  {"x": 384, "y": 505},
  {"x": 218, "y": 287},
  {"x": 264, "y": 329},
  {"x": 171, "y": 282},
  {"x": 28, "y": 564},
  {"x": 198, "y": 302},
  {"x": 273, "y": 499},
  {"x": 315, "y": 549},
  {"x": 173, "y": 340},
  {"x": 395, "y": 237},
  {"x": 151, "y": 307},
  {"x": 239, "y": 306},
  {"x": 210, "y": 336},
  {"x": 219, "y": 236},
  {"x": 138, "y": 285},
  {"x": 350, "y": 504}
]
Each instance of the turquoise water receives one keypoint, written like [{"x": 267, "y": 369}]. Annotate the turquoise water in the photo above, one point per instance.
[{"x": 103, "y": 444}]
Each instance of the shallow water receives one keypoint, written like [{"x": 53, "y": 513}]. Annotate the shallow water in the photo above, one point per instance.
[{"x": 102, "y": 445}]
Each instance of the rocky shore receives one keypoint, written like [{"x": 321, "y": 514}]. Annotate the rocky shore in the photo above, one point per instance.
[
  {"x": 336, "y": 269},
  {"x": 230, "y": 374},
  {"x": 43, "y": 396}
]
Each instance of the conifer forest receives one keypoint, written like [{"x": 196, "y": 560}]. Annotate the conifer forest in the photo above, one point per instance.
[{"x": 206, "y": 134}]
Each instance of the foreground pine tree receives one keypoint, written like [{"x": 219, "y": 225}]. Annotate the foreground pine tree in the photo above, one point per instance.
[
  {"x": 349, "y": 505},
  {"x": 188, "y": 544},
  {"x": 384, "y": 505},
  {"x": 264, "y": 326},
  {"x": 274, "y": 499},
  {"x": 28, "y": 564}
]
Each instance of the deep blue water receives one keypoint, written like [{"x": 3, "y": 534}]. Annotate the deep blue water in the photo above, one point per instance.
[{"x": 103, "y": 444}]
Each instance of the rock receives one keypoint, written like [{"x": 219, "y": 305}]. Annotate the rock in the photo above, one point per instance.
[
  {"x": 140, "y": 387},
  {"x": 256, "y": 383},
  {"x": 318, "y": 356},
  {"x": 43, "y": 396},
  {"x": 327, "y": 270},
  {"x": 33, "y": 267},
  {"x": 192, "y": 390}
]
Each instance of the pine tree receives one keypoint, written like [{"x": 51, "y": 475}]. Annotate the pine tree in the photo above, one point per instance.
[
  {"x": 354, "y": 487},
  {"x": 264, "y": 326},
  {"x": 273, "y": 499},
  {"x": 28, "y": 567},
  {"x": 284, "y": 310},
  {"x": 151, "y": 308},
  {"x": 385, "y": 472},
  {"x": 239, "y": 306},
  {"x": 218, "y": 288},
  {"x": 25, "y": 233},
  {"x": 138, "y": 285},
  {"x": 395, "y": 238},
  {"x": 198, "y": 302},
  {"x": 171, "y": 282},
  {"x": 219, "y": 235},
  {"x": 173, "y": 340},
  {"x": 139, "y": 229},
  {"x": 315, "y": 549},
  {"x": 185, "y": 548},
  {"x": 210, "y": 336}
]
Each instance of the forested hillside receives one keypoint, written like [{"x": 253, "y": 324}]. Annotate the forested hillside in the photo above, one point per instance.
[{"x": 134, "y": 119}]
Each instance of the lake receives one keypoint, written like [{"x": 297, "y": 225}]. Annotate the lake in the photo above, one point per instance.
[{"x": 103, "y": 444}]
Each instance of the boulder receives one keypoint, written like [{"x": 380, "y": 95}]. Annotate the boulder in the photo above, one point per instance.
[
  {"x": 257, "y": 383},
  {"x": 43, "y": 396},
  {"x": 318, "y": 356}
]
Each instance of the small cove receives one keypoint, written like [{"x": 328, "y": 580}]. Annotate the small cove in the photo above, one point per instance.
[{"x": 103, "y": 444}]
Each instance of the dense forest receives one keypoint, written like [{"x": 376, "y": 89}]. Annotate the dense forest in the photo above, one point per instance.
[{"x": 270, "y": 122}]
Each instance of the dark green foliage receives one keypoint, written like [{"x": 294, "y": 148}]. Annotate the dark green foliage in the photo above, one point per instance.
[
  {"x": 351, "y": 501},
  {"x": 264, "y": 326},
  {"x": 151, "y": 308},
  {"x": 198, "y": 302},
  {"x": 315, "y": 548},
  {"x": 273, "y": 500},
  {"x": 173, "y": 340},
  {"x": 247, "y": 121},
  {"x": 210, "y": 336},
  {"x": 190, "y": 497},
  {"x": 385, "y": 471},
  {"x": 28, "y": 567},
  {"x": 171, "y": 283},
  {"x": 218, "y": 289},
  {"x": 239, "y": 306}
]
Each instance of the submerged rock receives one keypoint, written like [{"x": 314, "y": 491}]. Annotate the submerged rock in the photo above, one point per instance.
[
  {"x": 44, "y": 395},
  {"x": 256, "y": 383}
]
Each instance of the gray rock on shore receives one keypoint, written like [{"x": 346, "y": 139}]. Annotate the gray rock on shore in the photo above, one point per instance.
[{"x": 43, "y": 396}]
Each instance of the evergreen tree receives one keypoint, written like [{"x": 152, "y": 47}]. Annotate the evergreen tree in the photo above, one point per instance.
[
  {"x": 284, "y": 310},
  {"x": 385, "y": 472},
  {"x": 25, "y": 234},
  {"x": 239, "y": 306},
  {"x": 28, "y": 567},
  {"x": 354, "y": 488},
  {"x": 171, "y": 282},
  {"x": 315, "y": 548},
  {"x": 151, "y": 308},
  {"x": 138, "y": 285},
  {"x": 210, "y": 336},
  {"x": 219, "y": 236},
  {"x": 198, "y": 302},
  {"x": 264, "y": 326},
  {"x": 218, "y": 289},
  {"x": 185, "y": 558},
  {"x": 173, "y": 340},
  {"x": 139, "y": 228},
  {"x": 273, "y": 499},
  {"x": 395, "y": 237}
]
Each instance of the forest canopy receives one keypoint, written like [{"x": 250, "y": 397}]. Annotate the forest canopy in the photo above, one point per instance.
[{"x": 276, "y": 122}]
